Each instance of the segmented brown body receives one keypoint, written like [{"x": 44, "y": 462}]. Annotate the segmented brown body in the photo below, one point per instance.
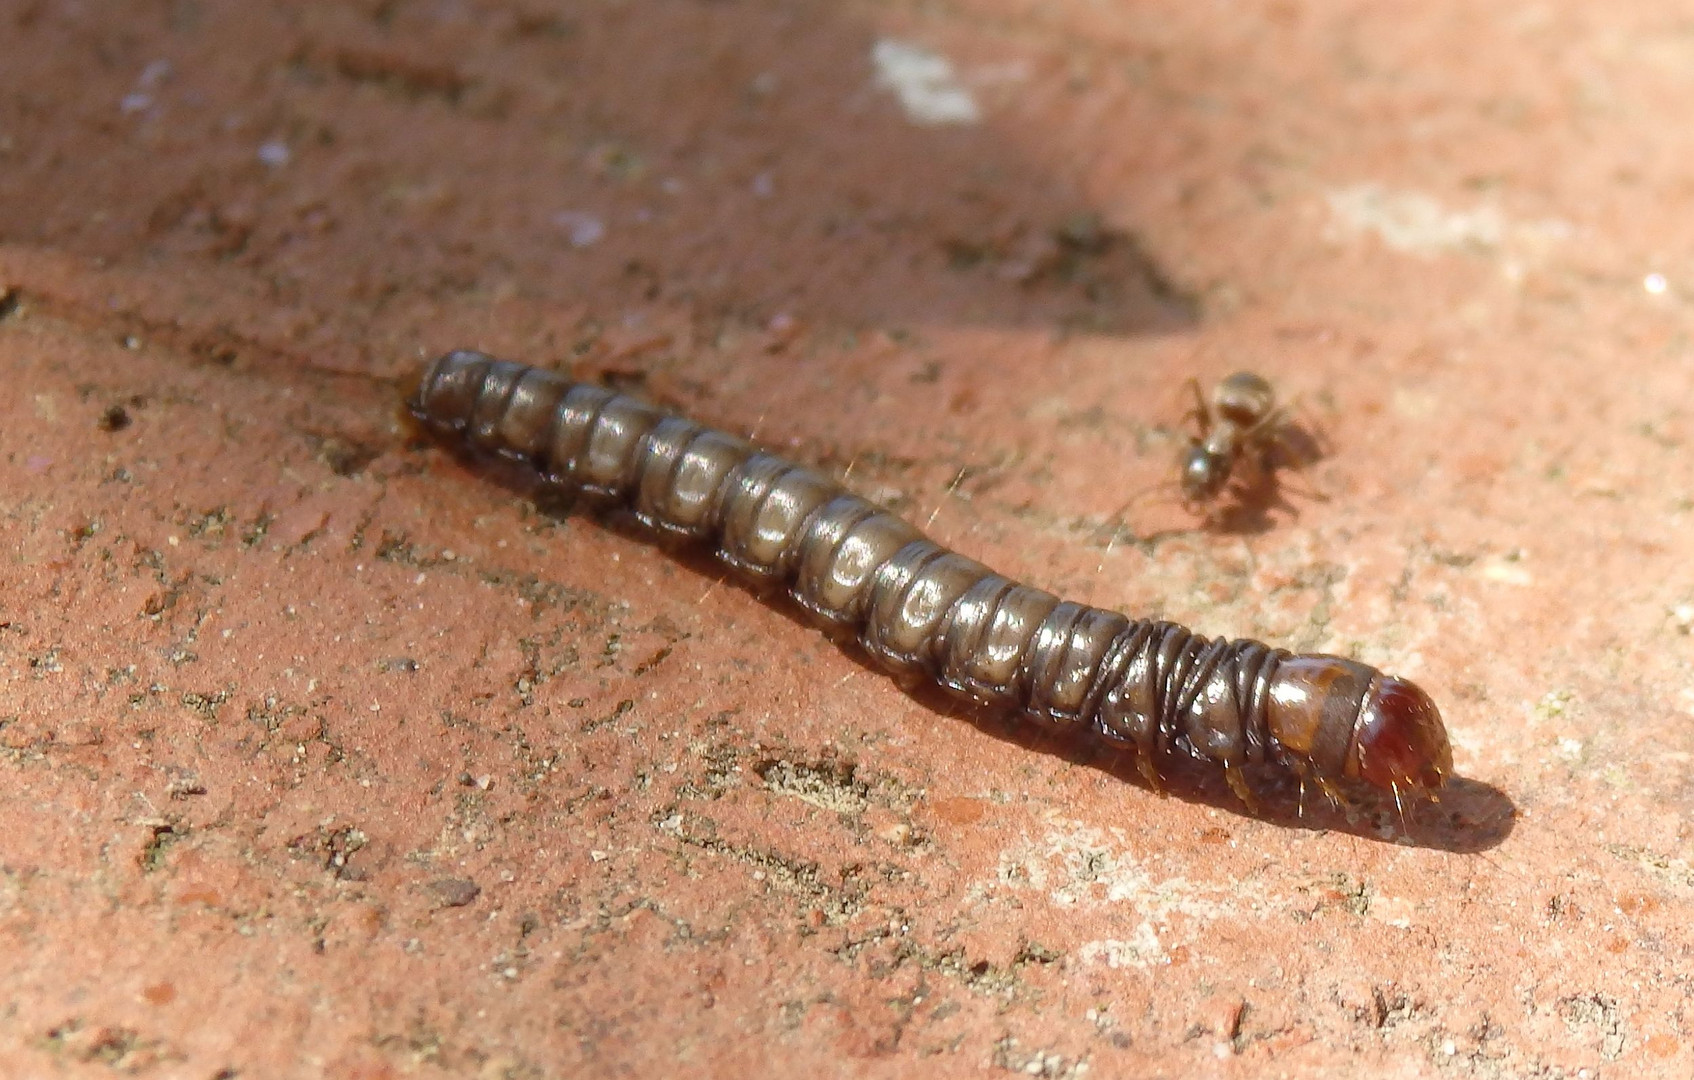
[{"x": 920, "y": 610}]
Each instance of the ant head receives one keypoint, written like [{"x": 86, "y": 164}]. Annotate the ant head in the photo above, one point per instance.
[{"x": 1203, "y": 473}]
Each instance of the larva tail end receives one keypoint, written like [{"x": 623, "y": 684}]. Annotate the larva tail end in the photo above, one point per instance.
[
  {"x": 444, "y": 393},
  {"x": 406, "y": 424},
  {"x": 1400, "y": 740}
]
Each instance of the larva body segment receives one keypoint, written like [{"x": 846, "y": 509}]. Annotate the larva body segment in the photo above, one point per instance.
[{"x": 922, "y": 611}]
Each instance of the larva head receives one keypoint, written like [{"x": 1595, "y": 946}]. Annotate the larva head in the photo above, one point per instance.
[
  {"x": 1399, "y": 739},
  {"x": 1348, "y": 720}
]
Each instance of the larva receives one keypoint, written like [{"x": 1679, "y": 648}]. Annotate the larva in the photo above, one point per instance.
[{"x": 921, "y": 611}]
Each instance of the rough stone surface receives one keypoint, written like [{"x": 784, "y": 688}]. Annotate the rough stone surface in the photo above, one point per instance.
[{"x": 324, "y": 756}]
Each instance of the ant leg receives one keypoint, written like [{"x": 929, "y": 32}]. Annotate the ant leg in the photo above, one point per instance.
[
  {"x": 1303, "y": 491},
  {"x": 1201, "y": 413},
  {"x": 1280, "y": 446},
  {"x": 1270, "y": 422},
  {"x": 1115, "y": 529},
  {"x": 1298, "y": 440},
  {"x": 1288, "y": 448},
  {"x": 1313, "y": 428}
]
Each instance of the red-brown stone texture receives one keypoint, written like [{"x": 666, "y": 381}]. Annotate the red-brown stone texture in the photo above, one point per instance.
[{"x": 324, "y": 756}]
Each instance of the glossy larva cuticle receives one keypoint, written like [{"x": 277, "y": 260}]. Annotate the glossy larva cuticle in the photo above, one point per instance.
[{"x": 919, "y": 610}]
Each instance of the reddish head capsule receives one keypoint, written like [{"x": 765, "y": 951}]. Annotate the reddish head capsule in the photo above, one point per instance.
[{"x": 1349, "y": 720}]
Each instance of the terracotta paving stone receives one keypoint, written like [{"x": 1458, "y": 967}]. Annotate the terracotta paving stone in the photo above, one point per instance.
[{"x": 326, "y": 756}]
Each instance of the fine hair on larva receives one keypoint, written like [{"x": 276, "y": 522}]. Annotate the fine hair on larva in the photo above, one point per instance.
[{"x": 920, "y": 611}]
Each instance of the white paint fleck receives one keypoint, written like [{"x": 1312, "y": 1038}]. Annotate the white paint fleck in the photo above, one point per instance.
[
  {"x": 1418, "y": 224},
  {"x": 1412, "y": 221},
  {"x": 141, "y": 98},
  {"x": 581, "y": 228},
  {"x": 1395, "y": 911},
  {"x": 154, "y": 73},
  {"x": 275, "y": 153},
  {"x": 1655, "y": 284},
  {"x": 1507, "y": 569},
  {"x": 1413, "y": 403},
  {"x": 925, "y": 82},
  {"x": 1682, "y": 618},
  {"x": 1569, "y": 749},
  {"x": 1142, "y": 951},
  {"x": 1078, "y": 865}
]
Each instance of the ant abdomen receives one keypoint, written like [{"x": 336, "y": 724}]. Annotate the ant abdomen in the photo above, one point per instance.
[{"x": 1244, "y": 399}]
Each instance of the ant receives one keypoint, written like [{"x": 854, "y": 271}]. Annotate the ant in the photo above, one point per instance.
[{"x": 1242, "y": 421}]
